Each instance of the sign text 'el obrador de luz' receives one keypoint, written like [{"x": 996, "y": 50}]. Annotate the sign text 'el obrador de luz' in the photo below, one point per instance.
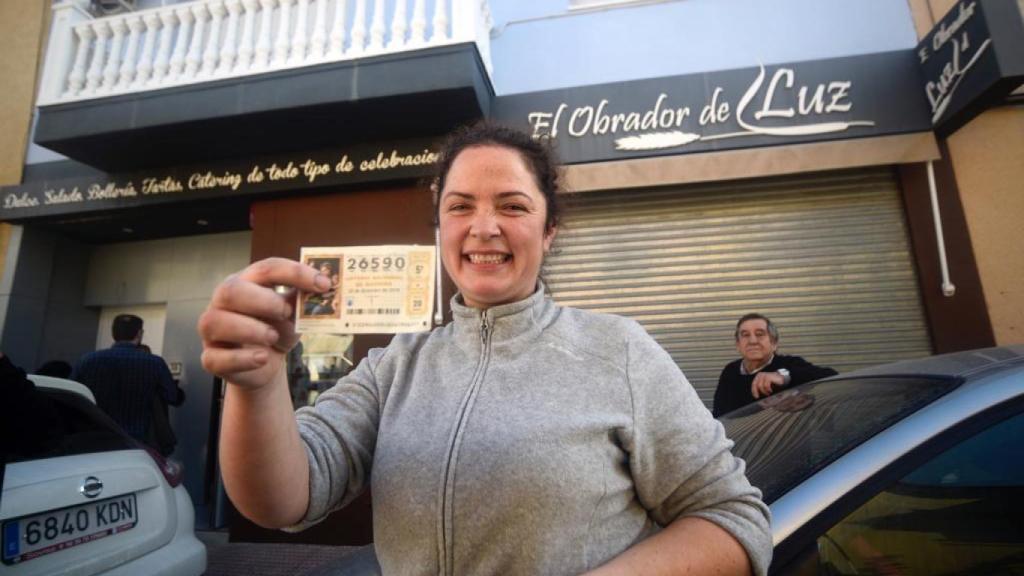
[{"x": 852, "y": 97}]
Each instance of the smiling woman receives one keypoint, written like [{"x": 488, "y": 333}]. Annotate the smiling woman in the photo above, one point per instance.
[
  {"x": 494, "y": 225},
  {"x": 522, "y": 437}
]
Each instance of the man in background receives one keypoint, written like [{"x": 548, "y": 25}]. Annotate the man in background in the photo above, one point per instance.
[
  {"x": 760, "y": 371},
  {"x": 129, "y": 383}
]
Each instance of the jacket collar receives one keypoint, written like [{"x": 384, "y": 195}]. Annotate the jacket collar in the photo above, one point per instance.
[
  {"x": 743, "y": 368},
  {"x": 508, "y": 324}
]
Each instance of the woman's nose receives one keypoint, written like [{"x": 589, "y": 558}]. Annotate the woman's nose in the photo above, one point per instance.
[{"x": 485, "y": 225}]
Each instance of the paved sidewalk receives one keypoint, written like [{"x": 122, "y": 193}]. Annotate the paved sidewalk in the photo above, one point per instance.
[{"x": 249, "y": 559}]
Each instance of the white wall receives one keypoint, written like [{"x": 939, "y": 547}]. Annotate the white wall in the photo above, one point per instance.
[{"x": 542, "y": 45}]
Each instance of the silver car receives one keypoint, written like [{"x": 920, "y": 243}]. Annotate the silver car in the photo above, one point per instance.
[
  {"x": 908, "y": 468},
  {"x": 82, "y": 497}
]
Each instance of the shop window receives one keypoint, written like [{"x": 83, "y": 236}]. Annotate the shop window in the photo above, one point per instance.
[
  {"x": 960, "y": 513},
  {"x": 315, "y": 364}
]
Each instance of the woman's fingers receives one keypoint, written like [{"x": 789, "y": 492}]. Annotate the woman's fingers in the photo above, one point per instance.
[
  {"x": 251, "y": 292},
  {"x": 287, "y": 337},
  {"x": 228, "y": 361},
  {"x": 282, "y": 271},
  {"x": 245, "y": 297},
  {"x": 248, "y": 325},
  {"x": 232, "y": 329}
]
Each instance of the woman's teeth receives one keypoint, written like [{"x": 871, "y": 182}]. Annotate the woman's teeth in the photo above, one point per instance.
[{"x": 487, "y": 258}]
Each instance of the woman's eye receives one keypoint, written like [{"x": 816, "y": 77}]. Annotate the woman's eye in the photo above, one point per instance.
[
  {"x": 457, "y": 207},
  {"x": 515, "y": 207}
]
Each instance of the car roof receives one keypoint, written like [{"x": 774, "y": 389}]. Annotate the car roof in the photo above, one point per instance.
[
  {"x": 62, "y": 384},
  {"x": 965, "y": 364},
  {"x": 990, "y": 377}
]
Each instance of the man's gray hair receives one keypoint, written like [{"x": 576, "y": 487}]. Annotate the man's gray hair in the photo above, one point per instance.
[{"x": 773, "y": 332}]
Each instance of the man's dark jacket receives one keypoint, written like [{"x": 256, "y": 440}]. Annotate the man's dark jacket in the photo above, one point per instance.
[
  {"x": 124, "y": 379},
  {"x": 734, "y": 388}
]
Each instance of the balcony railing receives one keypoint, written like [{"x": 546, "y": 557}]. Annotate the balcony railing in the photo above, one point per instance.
[{"x": 209, "y": 40}]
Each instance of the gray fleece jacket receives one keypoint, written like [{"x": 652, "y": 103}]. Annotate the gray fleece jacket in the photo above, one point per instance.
[{"x": 525, "y": 439}]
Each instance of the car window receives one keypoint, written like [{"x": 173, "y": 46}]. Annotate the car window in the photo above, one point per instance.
[
  {"x": 66, "y": 424},
  {"x": 789, "y": 436},
  {"x": 992, "y": 459},
  {"x": 962, "y": 512}
]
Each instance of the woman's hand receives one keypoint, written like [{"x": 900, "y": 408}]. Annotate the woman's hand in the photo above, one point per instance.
[{"x": 249, "y": 327}]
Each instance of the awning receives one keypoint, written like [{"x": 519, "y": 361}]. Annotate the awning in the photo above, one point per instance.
[{"x": 399, "y": 96}]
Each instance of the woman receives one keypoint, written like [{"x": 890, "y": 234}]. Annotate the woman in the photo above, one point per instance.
[{"x": 522, "y": 438}]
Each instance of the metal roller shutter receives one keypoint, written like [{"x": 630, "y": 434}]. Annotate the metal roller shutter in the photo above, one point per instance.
[{"x": 827, "y": 257}]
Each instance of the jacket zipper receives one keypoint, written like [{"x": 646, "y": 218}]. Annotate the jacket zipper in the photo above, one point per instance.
[{"x": 446, "y": 518}]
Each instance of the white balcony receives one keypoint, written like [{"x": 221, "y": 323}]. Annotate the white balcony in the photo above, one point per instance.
[{"x": 210, "y": 40}]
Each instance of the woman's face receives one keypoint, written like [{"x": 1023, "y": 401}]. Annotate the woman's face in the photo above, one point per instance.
[{"x": 492, "y": 217}]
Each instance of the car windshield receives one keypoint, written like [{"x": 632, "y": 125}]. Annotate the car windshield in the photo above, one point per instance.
[{"x": 789, "y": 436}]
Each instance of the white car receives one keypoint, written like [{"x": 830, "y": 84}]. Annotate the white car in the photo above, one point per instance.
[{"x": 93, "y": 500}]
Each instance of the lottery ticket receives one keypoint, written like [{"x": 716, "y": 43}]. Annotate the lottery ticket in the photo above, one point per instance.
[{"x": 374, "y": 290}]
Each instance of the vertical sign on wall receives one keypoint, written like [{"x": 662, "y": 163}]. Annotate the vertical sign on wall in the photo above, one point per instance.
[{"x": 971, "y": 59}]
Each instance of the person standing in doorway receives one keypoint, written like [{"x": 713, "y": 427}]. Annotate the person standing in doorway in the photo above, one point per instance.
[{"x": 127, "y": 380}]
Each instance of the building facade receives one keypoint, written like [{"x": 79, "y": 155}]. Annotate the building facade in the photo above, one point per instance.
[{"x": 721, "y": 158}]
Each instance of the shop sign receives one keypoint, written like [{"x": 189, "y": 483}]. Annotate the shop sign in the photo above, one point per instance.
[
  {"x": 971, "y": 59},
  {"x": 364, "y": 164},
  {"x": 767, "y": 105}
]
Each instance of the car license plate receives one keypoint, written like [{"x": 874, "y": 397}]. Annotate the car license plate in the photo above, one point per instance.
[{"x": 30, "y": 537}]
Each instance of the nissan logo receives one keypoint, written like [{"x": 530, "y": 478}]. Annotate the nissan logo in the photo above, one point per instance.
[{"x": 91, "y": 487}]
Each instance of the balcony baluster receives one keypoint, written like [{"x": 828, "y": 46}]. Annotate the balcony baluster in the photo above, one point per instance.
[
  {"x": 144, "y": 68},
  {"x": 440, "y": 31},
  {"x": 263, "y": 44},
  {"x": 131, "y": 53},
  {"x": 359, "y": 29},
  {"x": 318, "y": 40},
  {"x": 337, "y": 47},
  {"x": 418, "y": 34},
  {"x": 101, "y": 29},
  {"x": 195, "y": 48},
  {"x": 246, "y": 48},
  {"x": 283, "y": 40},
  {"x": 113, "y": 65},
  {"x": 177, "y": 64},
  {"x": 76, "y": 80},
  {"x": 230, "y": 47},
  {"x": 398, "y": 27},
  {"x": 300, "y": 41},
  {"x": 377, "y": 28},
  {"x": 212, "y": 52},
  {"x": 163, "y": 53}
]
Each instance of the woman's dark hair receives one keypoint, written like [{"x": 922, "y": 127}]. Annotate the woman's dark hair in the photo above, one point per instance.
[{"x": 537, "y": 155}]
